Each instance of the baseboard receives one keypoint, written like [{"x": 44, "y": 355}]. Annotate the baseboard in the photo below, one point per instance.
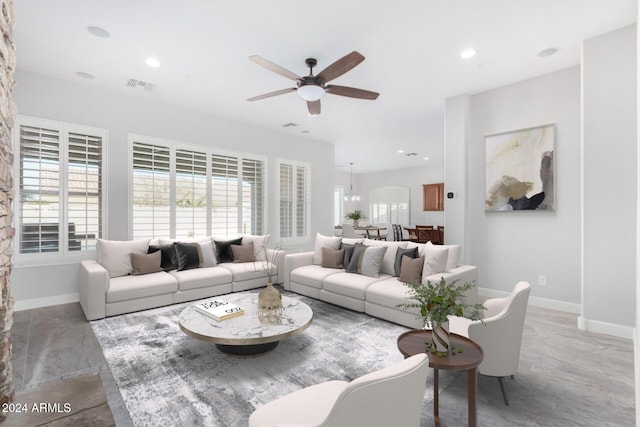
[
  {"x": 620, "y": 331},
  {"x": 28, "y": 304},
  {"x": 567, "y": 307}
]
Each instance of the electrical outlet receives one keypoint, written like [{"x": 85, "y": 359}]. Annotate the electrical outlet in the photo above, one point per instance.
[{"x": 542, "y": 280}]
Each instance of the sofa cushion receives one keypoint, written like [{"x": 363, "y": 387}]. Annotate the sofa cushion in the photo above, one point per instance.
[
  {"x": 332, "y": 258},
  {"x": 126, "y": 288},
  {"x": 388, "y": 293},
  {"x": 453, "y": 257},
  {"x": 201, "y": 277},
  {"x": 390, "y": 255},
  {"x": 168, "y": 260},
  {"x": 250, "y": 270},
  {"x": 187, "y": 255},
  {"x": 115, "y": 255},
  {"x": 259, "y": 245},
  {"x": 312, "y": 275},
  {"x": 400, "y": 252},
  {"x": 146, "y": 263},
  {"x": 207, "y": 254},
  {"x": 367, "y": 260},
  {"x": 243, "y": 253},
  {"x": 435, "y": 261},
  {"x": 350, "y": 284},
  {"x": 411, "y": 270},
  {"x": 323, "y": 241},
  {"x": 352, "y": 240},
  {"x": 223, "y": 249}
]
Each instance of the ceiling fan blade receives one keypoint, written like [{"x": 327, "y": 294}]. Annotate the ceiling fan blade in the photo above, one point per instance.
[
  {"x": 274, "y": 67},
  {"x": 270, "y": 94},
  {"x": 314, "y": 107},
  {"x": 351, "y": 92},
  {"x": 341, "y": 66}
]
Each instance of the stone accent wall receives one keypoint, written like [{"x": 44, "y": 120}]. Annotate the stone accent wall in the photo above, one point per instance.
[{"x": 7, "y": 116}]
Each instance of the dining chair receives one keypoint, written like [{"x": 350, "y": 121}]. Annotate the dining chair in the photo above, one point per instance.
[
  {"x": 424, "y": 233},
  {"x": 349, "y": 231}
]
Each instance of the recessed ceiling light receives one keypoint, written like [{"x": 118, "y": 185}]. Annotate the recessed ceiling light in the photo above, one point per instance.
[
  {"x": 98, "y": 32},
  {"x": 547, "y": 52},
  {"x": 152, "y": 62},
  {"x": 467, "y": 53},
  {"x": 426, "y": 158},
  {"x": 400, "y": 151},
  {"x": 85, "y": 75}
]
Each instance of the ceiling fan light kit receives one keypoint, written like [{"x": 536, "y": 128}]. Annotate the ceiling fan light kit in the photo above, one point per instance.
[{"x": 311, "y": 88}]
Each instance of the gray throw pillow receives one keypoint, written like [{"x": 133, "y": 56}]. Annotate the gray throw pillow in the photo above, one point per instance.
[
  {"x": 411, "y": 253},
  {"x": 367, "y": 260},
  {"x": 243, "y": 253},
  {"x": 332, "y": 258},
  {"x": 348, "y": 252},
  {"x": 411, "y": 270},
  {"x": 146, "y": 263}
]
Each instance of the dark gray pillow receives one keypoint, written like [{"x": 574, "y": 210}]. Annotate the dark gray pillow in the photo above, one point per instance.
[
  {"x": 355, "y": 256},
  {"x": 348, "y": 252},
  {"x": 223, "y": 249},
  {"x": 187, "y": 254},
  {"x": 169, "y": 260},
  {"x": 411, "y": 253}
]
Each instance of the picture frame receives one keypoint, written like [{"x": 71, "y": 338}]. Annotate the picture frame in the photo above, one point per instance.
[{"x": 520, "y": 170}]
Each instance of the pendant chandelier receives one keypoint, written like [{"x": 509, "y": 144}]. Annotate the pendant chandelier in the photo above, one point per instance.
[{"x": 351, "y": 195}]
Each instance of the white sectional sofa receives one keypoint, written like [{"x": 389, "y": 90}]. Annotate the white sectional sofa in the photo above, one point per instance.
[
  {"x": 110, "y": 285},
  {"x": 375, "y": 294}
]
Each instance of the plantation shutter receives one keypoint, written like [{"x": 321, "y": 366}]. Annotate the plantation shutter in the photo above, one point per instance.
[
  {"x": 252, "y": 196},
  {"x": 151, "y": 185},
  {"x": 224, "y": 195},
  {"x": 301, "y": 201},
  {"x": 286, "y": 200},
  {"x": 191, "y": 194},
  {"x": 84, "y": 197},
  {"x": 39, "y": 189}
]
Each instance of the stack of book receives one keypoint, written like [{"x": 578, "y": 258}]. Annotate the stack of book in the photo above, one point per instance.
[{"x": 219, "y": 309}]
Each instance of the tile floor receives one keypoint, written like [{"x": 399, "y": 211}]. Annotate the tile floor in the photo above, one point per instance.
[{"x": 567, "y": 377}]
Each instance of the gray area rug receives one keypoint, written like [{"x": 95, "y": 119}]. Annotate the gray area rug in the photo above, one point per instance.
[{"x": 169, "y": 379}]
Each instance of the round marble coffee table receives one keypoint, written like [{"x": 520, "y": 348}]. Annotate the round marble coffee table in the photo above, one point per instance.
[{"x": 246, "y": 335}]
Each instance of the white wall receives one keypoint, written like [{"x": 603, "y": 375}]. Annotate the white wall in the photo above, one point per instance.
[
  {"x": 44, "y": 97},
  {"x": 412, "y": 178},
  {"x": 512, "y": 246},
  {"x": 609, "y": 179}
]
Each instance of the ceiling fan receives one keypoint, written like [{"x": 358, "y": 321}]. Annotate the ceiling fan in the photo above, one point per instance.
[{"x": 311, "y": 88}]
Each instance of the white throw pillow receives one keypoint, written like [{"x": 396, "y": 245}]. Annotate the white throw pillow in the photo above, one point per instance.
[
  {"x": 259, "y": 245},
  {"x": 454, "y": 255},
  {"x": 323, "y": 241},
  {"x": 115, "y": 255},
  {"x": 435, "y": 261},
  {"x": 389, "y": 260}
]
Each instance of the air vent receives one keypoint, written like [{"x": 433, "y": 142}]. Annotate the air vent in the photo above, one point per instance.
[
  {"x": 290, "y": 125},
  {"x": 411, "y": 154},
  {"x": 139, "y": 84}
]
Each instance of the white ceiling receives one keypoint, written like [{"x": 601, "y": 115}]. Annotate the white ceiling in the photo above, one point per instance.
[{"x": 411, "y": 47}]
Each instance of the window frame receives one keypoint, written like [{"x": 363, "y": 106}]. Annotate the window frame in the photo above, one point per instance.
[
  {"x": 63, "y": 255},
  {"x": 306, "y": 237},
  {"x": 209, "y": 152}
]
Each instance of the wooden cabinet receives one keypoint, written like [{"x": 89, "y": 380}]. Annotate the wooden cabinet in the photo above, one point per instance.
[{"x": 433, "y": 197}]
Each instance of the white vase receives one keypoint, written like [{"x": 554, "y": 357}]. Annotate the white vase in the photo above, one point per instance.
[{"x": 440, "y": 337}]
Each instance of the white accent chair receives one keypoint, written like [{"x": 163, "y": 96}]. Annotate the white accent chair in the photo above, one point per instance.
[
  {"x": 349, "y": 231},
  {"x": 392, "y": 396},
  {"x": 501, "y": 334}
]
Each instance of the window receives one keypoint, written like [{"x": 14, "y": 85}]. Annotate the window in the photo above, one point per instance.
[
  {"x": 294, "y": 200},
  {"x": 389, "y": 205},
  {"x": 338, "y": 205},
  {"x": 179, "y": 191},
  {"x": 59, "y": 187}
]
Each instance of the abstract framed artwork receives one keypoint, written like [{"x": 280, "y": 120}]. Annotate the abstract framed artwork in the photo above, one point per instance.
[{"x": 519, "y": 170}]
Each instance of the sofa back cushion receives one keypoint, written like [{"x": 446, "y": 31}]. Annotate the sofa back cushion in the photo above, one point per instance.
[
  {"x": 322, "y": 241},
  {"x": 115, "y": 255},
  {"x": 435, "y": 261}
]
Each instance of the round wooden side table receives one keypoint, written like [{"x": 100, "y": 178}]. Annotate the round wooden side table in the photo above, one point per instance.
[{"x": 413, "y": 342}]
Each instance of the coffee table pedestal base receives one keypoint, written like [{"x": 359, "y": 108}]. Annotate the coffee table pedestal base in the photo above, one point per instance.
[{"x": 247, "y": 350}]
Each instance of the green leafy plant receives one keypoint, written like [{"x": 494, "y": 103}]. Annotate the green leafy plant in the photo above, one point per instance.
[
  {"x": 439, "y": 300},
  {"x": 356, "y": 216}
]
